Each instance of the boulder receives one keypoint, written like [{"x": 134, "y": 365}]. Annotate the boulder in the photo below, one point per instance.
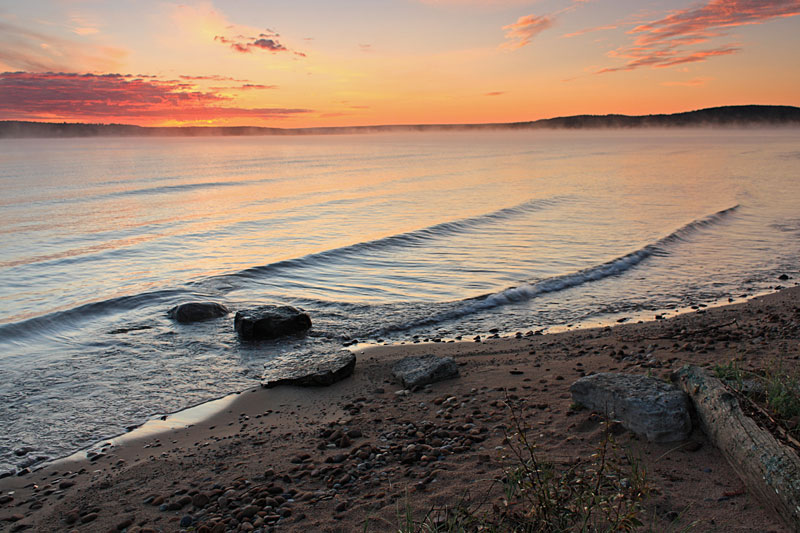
[
  {"x": 644, "y": 405},
  {"x": 196, "y": 311},
  {"x": 416, "y": 371},
  {"x": 270, "y": 321},
  {"x": 319, "y": 371}
]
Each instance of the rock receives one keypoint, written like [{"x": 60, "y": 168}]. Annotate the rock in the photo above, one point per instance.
[
  {"x": 200, "y": 499},
  {"x": 317, "y": 371},
  {"x": 270, "y": 321},
  {"x": 416, "y": 371},
  {"x": 126, "y": 523},
  {"x": 196, "y": 311},
  {"x": 644, "y": 405}
]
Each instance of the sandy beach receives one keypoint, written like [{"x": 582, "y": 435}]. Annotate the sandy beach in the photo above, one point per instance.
[{"x": 361, "y": 454}]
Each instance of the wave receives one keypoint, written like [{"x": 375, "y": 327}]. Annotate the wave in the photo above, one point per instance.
[
  {"x": 56, "y": 321},
  {"x": 411, "y": 238},
  {"x": 529, "y": 291}
]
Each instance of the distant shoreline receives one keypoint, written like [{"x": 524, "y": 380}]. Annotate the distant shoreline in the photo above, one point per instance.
[{"x": 726, "y": 117}]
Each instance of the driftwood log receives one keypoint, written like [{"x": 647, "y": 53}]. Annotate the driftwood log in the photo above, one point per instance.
[{"x": 768, "y": 468}]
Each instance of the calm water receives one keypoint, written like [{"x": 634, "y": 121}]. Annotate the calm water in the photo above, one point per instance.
[{"x": 376, "y": 236}]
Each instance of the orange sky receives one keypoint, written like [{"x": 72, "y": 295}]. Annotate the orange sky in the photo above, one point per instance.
[{"x": 357, "y": 62}]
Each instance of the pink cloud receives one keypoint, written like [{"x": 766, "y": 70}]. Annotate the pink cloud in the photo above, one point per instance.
[
  {"x": 694, "y": 82},
  {"x": 122, "y": 97},
  {"x": 670, "y": 40},
  {"x": 27, "y": 49},
  {"x": 590, "y": 30},
  {"x": 524, "y": 29}
]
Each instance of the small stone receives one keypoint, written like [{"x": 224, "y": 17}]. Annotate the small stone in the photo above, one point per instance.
[
  {"x": 200, "y": 499},
  {"x": 89, "y": 518},
  {"x": 126, "y": 523},
  {"x": 250, "y": 511},
  {"x": 187, "y": 521}
]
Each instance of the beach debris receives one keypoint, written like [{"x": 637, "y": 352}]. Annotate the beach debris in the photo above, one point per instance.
[
  {"x": 197, "y": 311},
  {"x": 417, "y": 371},
  {"x": 644, "y": 405},
  {"x": 317, "y": 371},
  {"x": 270, "y": 322},
  {"x": 769, "y": 469}
]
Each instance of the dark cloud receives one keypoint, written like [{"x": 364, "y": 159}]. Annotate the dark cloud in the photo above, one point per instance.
[
  {"x": 268, "y": 44},
  {"x": 264, "y": 41},
  {"x": 55, "y": 96}
]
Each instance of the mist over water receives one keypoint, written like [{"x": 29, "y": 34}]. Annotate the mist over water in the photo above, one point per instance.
[{"x": 382, "y": 236}]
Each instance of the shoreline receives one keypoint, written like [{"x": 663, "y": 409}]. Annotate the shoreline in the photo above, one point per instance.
[
  {"x": 279, "y": 430},
  {"x": 186, "y": 417}
]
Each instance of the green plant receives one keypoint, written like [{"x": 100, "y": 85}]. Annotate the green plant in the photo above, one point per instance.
[
  {"x": 782, "y": 393},
  {"x": 602, "y": 494},
  {"x": 731, "y": 373}
]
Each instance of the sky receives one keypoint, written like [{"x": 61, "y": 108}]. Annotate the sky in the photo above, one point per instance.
[{"x": 305, "y": 63}]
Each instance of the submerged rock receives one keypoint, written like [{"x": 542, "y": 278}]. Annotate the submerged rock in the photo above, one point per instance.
[
  {"x": 416, "y": 371},
  {"x": 644, "y": 405},
  {"x": 318, "y": 371},
  {"x": 270, "y": 321},
  {"x": 197, "y": 311}
]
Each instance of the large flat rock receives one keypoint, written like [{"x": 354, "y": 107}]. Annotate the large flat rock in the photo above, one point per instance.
[
  {"x": 317, "y": 371},
  {"x": 644, "y": 405},
  {"x": 270, "y": 322},
  {"x": 417, "y": 371}
]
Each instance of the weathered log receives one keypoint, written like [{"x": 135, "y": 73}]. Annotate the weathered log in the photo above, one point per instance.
[{"x": 768, "y": 468}]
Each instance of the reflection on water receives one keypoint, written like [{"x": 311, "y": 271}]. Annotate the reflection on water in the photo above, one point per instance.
[{"x": 377, "y": 236}]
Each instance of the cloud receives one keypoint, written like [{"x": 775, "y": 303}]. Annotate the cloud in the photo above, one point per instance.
[
  {"x": 264, "y": 41},
  {"x": 117, "y": 97},
  {"x": 670, "y": 40},
  {"x": 253, "y": 86},
  {"x": 524, "y": 29},
  {"x": 694, "y": 82},
  {"x": 245, "y": 87},
  {"x": 494, "y": 93},
  {"x": 476, "y": 3},
  {"x": 212, "y": 77},
  {"x": 589, "y": 30},
  {"x": 30, "y": 50},
  {"x": 268, "y": 44}
]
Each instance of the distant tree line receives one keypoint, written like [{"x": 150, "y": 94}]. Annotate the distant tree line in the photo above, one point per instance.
[{"x": 728, "y": 116}]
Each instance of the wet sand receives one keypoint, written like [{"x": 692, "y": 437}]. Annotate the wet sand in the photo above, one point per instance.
[{"x": 359, "y": 455}]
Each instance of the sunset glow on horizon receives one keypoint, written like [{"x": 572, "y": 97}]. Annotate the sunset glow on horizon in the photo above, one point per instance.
[{"x": 363, "y": 62}]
